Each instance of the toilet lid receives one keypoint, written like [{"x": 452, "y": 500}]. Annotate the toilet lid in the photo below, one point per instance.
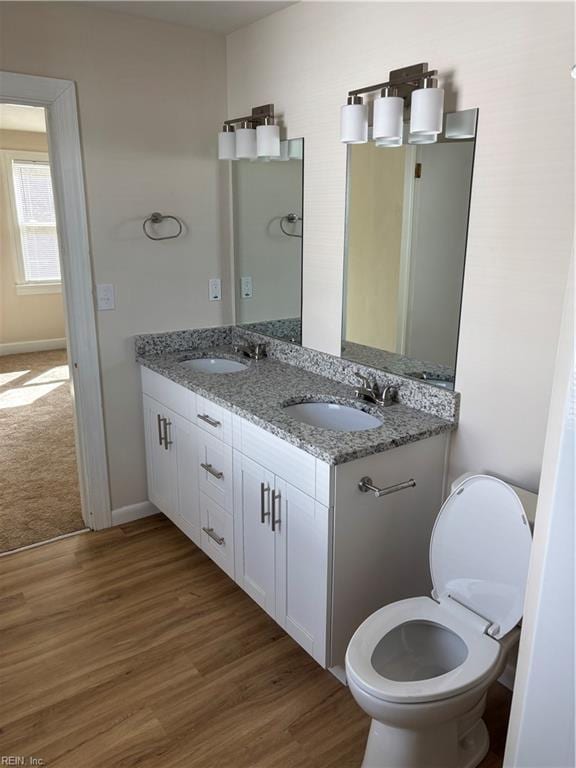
[{"x": 480, "y": 549}]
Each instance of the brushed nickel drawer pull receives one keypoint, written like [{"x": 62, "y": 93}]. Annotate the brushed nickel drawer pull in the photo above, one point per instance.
[
  {"x": 214, "y": 536},
  {"x": 209, "y": 420},
  {"x": 366, "y": 486},
  {"x": 275, "y": 495},
  {"x": 214, "y": 472},
  {"x": 160, "y": 438},
  {"x": 167, "y": 424},
  {"x": 264, "y": 489}
]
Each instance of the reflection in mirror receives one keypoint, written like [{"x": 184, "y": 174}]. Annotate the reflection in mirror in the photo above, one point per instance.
[
  {"x": 267, "y": 199},
  {"x": 407, "y": 223}
]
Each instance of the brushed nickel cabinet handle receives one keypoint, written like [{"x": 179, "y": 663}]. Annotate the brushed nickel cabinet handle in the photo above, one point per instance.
[
  {"x": 160, "y": 438},
  {"x": 264, "y": 489},
  {"x": 214, "y": 472},
  {"x": 214, "y": 536},
  {"x": 167, "y": 441},
  {"x": 209, "y": 420},
  {"x": 275, "y": 495}
]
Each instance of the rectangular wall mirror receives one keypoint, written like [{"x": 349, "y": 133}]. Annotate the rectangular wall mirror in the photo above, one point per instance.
[
  {"x": 267, "y": 214},
  {"x": 406, "y": 230}
]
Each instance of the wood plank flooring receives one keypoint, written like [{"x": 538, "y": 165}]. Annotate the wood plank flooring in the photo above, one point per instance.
[{"x": 129, "y": 647}]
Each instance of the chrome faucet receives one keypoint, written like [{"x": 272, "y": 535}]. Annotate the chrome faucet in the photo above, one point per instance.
[
  {"x": 372, "y": 392},
  {"x": 253, "y": 351}
]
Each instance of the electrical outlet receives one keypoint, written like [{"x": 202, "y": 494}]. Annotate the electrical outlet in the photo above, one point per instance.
[
  {"x": 105, "y": 299},
  {"x": 215, "y": 289},
  {"x": 246, "y": 287}
]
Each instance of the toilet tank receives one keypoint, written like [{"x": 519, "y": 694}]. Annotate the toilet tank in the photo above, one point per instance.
[{"x": 529, "y": 499}]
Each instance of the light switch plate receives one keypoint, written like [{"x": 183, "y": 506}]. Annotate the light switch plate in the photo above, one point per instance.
[
  {"x": 105, "y": 299},
  {"x": 215, "y": 289},
  {"x": 246, "y": 287}
]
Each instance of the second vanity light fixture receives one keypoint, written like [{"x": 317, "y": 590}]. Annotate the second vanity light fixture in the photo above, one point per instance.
[
  {"x": 256, "y": 137},
  {"x": 415, "y": 87}
]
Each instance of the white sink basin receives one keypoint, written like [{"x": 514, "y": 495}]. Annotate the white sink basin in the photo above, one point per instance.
[
  {"x": 342, "y": 418},
  {"x": 214, "y": 365}
]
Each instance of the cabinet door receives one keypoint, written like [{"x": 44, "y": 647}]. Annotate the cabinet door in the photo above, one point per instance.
[
  {"x": 161, "y": 461},
  {"x": 185, "y": 441},
  {"x": 301, "y": 539},
  {"x": 254, "y": 539}
]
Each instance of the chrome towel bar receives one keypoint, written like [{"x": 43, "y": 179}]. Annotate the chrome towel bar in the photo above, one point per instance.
[{"x": 366, "y": 486}]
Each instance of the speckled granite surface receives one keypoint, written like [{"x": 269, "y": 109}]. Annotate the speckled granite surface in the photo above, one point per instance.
[
  {"x": 259, "y": 393},
  {"x": 400, "y": 364},
  {"x": 411, "y": 392},
  {"x": 288, "y": 329}
]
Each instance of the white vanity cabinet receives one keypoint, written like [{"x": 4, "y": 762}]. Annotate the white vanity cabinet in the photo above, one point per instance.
[{"x": 295, "y": 533}]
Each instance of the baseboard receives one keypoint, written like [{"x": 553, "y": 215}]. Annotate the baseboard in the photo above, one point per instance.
[
  {"x": 41, "y": 345},
  {"x": 133, "y": 512}
]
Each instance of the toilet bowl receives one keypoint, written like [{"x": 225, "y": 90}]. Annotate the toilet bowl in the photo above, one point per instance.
[{"x": 421, "y": 667}]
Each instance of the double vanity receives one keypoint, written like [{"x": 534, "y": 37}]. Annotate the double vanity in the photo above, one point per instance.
[
  {"x": 314, "y": 481},
  {"x": 272, "y": 459}
]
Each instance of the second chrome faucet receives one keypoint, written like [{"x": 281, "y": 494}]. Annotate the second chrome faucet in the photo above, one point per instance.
[{"x": 371, "y": 392}]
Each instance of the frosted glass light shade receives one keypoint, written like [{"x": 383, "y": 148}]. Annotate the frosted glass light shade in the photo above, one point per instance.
[
  {"x": 395, "y": 142},
  {"x": 388, "y": 118},
  {"x": 227, "y": 145},
  {"x": 427, "y": 110},
  {"x": 268, "y": 141},
  {"x": 422, "y": 138},
  {"x": 461, "y": 125},
  {"x": 354, "y": 124},
  {"x": 246, "y": 143}
]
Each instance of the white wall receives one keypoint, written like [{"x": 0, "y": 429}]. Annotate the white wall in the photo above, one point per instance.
[
  {"x": 150, "y": 96},
  {"x": 541, "y": 733},
  {"x": 512, "y": 60}
]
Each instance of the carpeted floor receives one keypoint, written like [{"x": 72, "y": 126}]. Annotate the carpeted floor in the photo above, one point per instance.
[{"x": 39, "y": 495}]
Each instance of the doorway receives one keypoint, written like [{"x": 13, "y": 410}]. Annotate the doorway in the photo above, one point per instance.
[
  {"x": 38, "y": 470},
  {"x": 51, "y": 421}
]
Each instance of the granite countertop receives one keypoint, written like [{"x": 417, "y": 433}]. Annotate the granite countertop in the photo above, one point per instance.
[{"x": 259, "y": 393}]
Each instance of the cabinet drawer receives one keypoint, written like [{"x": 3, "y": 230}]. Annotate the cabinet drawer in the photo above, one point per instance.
[
  {"x": 288, "y": 462},
  {"x": 215, "y": 470},
  {"x": 172, "y": 395},
  {"x": 217, "y": 534},
  {"x": 214, "y": 419}
]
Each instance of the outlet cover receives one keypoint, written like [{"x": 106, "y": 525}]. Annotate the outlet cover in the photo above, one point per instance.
[
  {"x": 215, "y": 289},
  {"x": 246, "y": 287},
  {"x": 105, "y": 299}
]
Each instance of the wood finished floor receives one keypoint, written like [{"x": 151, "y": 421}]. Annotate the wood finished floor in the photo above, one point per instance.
[{"x": 129, "y": 647}]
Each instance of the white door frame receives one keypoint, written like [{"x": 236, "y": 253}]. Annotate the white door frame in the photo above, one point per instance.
[{"x": 58, "y": 97}]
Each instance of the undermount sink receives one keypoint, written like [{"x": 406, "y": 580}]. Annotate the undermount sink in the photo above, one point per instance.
[
  {"x": 214, "y": 365},
  {"x": 342, "y": 418}
]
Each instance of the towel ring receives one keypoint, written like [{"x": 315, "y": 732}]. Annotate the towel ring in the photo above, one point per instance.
[
  {"x": 291, "y": 218},
  {"x": 157, "y": 218}
]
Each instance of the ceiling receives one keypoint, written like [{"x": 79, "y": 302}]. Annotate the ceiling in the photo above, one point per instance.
[
  {"x": 15, "y": 117},
  {"x": 220, "y": 16}
]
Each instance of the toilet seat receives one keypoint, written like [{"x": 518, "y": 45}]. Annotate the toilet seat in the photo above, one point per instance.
[{"x": 483, "y": 651}]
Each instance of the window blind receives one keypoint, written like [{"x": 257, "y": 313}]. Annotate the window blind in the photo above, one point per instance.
[{"x": 36, "y": 220}]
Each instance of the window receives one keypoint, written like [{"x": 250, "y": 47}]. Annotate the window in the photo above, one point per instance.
[{"x": 36, "y": 220}]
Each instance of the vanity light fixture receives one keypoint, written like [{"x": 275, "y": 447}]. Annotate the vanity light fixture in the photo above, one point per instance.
[
  {"x": 227, "y": 143},
  {"x": 413, "y": 88},
  {"x": 268, "y": 139},
  {"x": 354, "y": 121},
  {"x": 388, "y": 121},
  {"x": 257, "y": 136},
  {"x": 246, "y": 141},
  {"x": 427, "y": 108}
]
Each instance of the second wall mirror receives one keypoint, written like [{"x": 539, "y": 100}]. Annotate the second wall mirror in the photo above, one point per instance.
[
  {"x": 406, "y": 231},
  {"x": 267, "y": 212}
]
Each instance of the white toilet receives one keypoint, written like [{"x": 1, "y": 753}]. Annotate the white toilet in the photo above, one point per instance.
[{"x": 421, "y": 667}]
